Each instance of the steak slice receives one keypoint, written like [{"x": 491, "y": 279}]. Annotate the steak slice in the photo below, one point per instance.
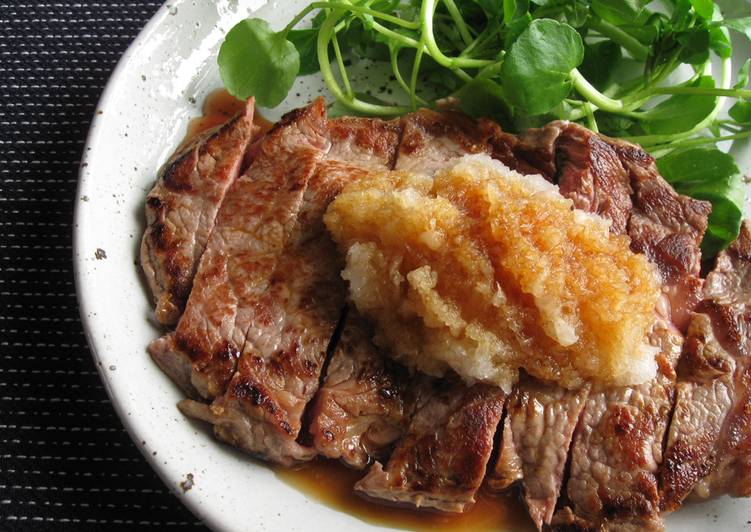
[
  {"x": 182, "y": 207},
  {"x": 617, "y": 446},
  {"x": 668, "y": 228},
  {"x": 540, "y": 422},
  {"x": 293, "y": 321},
  {"x": 441, "y": 461},
  {"x": 431, "y": 139},
  {"x": 586, "y": 167},
  {"x": 252, "y": 228},
  {"x": 261, "y": 410},
  {"x": 710, "y": 434},
  {"x": 365, "y": 402}
]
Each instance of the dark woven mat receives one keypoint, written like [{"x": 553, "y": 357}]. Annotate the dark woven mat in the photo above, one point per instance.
[{"x": 65, "y": 461}]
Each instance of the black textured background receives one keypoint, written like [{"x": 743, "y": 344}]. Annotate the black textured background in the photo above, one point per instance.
[{"x": 65, "y": 461}]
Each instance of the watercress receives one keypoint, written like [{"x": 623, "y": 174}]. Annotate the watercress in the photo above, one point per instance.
[{"x": 604, "y": 63}]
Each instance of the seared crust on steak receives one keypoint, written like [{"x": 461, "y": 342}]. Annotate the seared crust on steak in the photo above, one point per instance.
[
  {"x": 540, "y": 422},
  {"x": 252, "y": 227},
  {"x": 431, "y": 139},
  {"x": 277, "y": 374},
  {"x": 293, "y": 320},
  {"x": 267, "y": 297},
  {"x": 365, "y": 402},
  {"x": 617, "y": 446},
  {"x": 710, "y": 434},
  {"x": 182, "y": 206},
  {"x": 441, "y": 461}
]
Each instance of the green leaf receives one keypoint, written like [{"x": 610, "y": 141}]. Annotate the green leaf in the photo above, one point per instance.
[
  {"x": 618, "y": 11},
  {"x": 704, "y": 8},
  {"x": 572, "y": 12},
  {"x": 613, "y": 125},
  {"x": 483, "y": 97},
  {"x": 358, "y": 38},
  {"x": 536, "y": 70},
  {"x": 599, "y": 61},
  {"x": 682, "y": 16},
  {"x": 719, "y": 41},
  {"x": 493, "y": 8},
  {"x": 719, "y": 37},
  {"x": 711, "y": 175},
  {"x": 513, "y": 9},
  {"x": 741, "y": 25},
  {"x": 695, "y": 46},
  {"x": 515, "y": 28},
  {"x": 743, "y": 75},
  {"x": 256, "y": 61},
  {"x": 305, "y": 42},
  {"x": 646, "y": 32},
  {"x": 741, "y": 112},
  {"x": 679, "y": 113}
]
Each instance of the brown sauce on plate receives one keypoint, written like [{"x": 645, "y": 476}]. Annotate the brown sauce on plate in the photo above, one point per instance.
[
  {"x": 331, "y": 483},
  {"x": 219, "y": 107}
]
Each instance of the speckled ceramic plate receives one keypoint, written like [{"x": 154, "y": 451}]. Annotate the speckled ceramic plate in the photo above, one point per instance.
[{"x": 156, "y": 89}]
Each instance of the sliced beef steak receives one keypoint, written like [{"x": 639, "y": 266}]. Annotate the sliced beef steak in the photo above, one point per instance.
[
  {"x": 252, "y": 227},
  {"x": 668, "y": 228},
  {"x": 182, "y": 207},
  {"x": 540, "y": 422},
  {"x": 703, "y": 401},
  {"x": 710, "y": 434},
  {"x": 365, "y": 402},
  {"x": 441, "y": 461},
  {"x": 431, "y": 139},
  {"x": 617, "y": 446},
  {"x": 293, "y": 320},
  {"x": 277, "y": 374},
  {"x": 585, "y": 166}
]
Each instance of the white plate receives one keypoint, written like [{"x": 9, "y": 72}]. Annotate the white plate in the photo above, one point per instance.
[{"x": 157, "y": 87}]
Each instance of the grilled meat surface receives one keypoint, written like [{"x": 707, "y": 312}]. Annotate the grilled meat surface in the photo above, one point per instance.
[
  {"x": 441, "y": 461},
  {"x": 182, "y": 207},
  {"x": 617, "y": 448},
  {"x": 540, "y": 422},
  {"x": 252, "y": 228},
  {"x": 365, "y": 402},
  {"x": 710, "y": 434},
  {"x": 292, "y": 322},
  {"x": 266, "y": 298}
]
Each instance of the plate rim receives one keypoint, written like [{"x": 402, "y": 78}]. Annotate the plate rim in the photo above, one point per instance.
[{"x": 79, "y": 274}]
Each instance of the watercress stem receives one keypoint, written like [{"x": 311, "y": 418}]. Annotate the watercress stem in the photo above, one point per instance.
[
  {"x": 340, "y": 65},
  {"x": 589, "y": 109},
  {"x": 459, "y": 21},
  {"x": 398, "y": 37},
  {"x": 593, "y": 95},
  {"x": 412, "y": 25},
  {"x": 394, "y": 56},
  {"x": 704, "y": 91},
  {"x": 426, "y": 17},
  {"x": 415, "y": 73},
  {"x": 651, "y": 140},
  {"x": 693, "y": 143},
  {"x": 322, "y": 48},
  {"x": 634, "y": 47}
]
